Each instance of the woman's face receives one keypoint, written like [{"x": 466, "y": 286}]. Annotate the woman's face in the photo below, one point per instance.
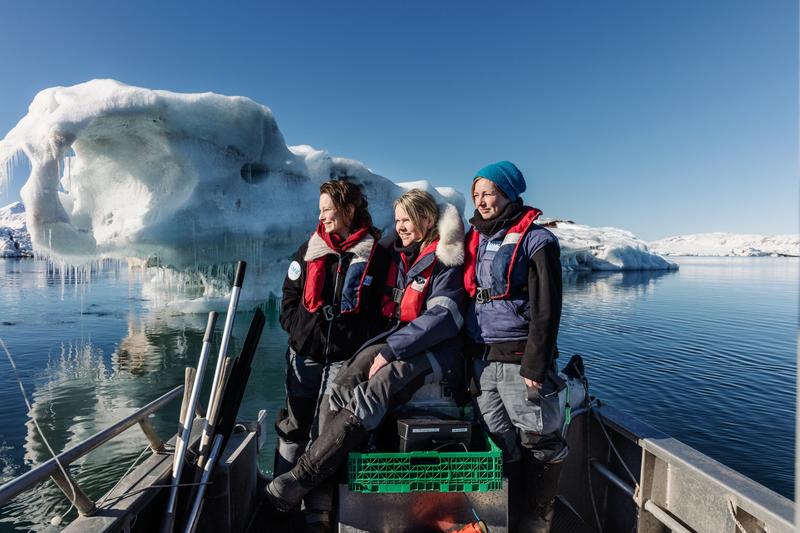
[
  {"x": 332, "y": 219},
  {"x": 406, "y": 229},
  {"x": 489, "y": 201}
]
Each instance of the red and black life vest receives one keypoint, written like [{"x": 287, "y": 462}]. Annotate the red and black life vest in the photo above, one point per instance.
[
  {"x": 407, "y": 303},
  {"x": 504, "y": 259},
  {"x": 354, "y": 280}
]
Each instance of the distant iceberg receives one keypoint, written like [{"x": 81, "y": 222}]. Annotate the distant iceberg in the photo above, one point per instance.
[
  {"x": 14, "y": 238},
  {"x": 728, "y": 244},
  {"x": 588, "y": 248},
  {"x": 186, "y": 184}
]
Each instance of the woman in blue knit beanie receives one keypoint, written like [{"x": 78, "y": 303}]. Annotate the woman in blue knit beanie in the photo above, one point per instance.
[{"x": 513, "y": 275}]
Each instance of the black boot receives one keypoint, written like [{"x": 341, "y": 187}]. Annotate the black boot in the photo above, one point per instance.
[
  {"x": 342, "y": 433},
  {"x": 541, "y": 489},
  {"x": 516, "y": 493}
]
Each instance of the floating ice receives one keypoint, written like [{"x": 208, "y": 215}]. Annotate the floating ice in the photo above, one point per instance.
[
  {"x": 728, "y": 244},
  {"x": 192, "y": 182},
  {"x": 588, "y": 248}
]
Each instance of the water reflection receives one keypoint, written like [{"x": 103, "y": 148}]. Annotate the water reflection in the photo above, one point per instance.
[
  {"x": 586, "y": 291},
  {"x": 89, "y": 385}
]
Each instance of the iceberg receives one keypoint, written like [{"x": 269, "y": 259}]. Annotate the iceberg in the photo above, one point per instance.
[
  {"x": 587, "y": 248},
  {"x": 728, "y": 244},
  {"x": 184, "y": 185},
  {"x": 15, "y": 241},
  {"x": 185, "y": 182}
]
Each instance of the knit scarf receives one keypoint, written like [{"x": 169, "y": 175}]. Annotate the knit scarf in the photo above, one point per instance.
[
  {"x": 504, "y": 220},
  {"x": 315, "y": 274}
]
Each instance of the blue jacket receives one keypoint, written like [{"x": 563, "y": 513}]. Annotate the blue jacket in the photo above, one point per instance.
[{"x": 436, "y": 328}]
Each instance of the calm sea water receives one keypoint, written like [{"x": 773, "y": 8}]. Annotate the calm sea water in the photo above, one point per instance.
[{"x": 706, "y": 354}]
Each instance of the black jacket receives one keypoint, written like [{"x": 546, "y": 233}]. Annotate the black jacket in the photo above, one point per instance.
[{"x": 311, "y": 334}]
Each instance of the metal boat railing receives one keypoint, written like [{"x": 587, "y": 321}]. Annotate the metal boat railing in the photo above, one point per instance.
[
  {"x": 68, "y": 485},
  {"x": 665, "y": 485}
]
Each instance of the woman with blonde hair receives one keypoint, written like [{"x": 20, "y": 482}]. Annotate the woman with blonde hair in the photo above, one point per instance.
[{"x": 423, "y": 297}]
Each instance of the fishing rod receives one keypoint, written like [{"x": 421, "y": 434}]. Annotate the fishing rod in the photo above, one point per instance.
[
  {"x": 182, "y": 442},
  {"x": 223, "y": 363},
  {"x": 229, "y": 408}
]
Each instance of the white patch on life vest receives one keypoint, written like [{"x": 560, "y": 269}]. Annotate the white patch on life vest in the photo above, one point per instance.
[
  {"x": 419, "y": 283},
  {"x": 294, "y": 271},
  {"x": 512, "y": 238},
  {"x": 493, "y": 246},
  {"x": 367, "y": 281}
]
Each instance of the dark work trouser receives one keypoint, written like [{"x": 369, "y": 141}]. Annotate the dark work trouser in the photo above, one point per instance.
[
  {"x": 393, "y": 385},
  {"x": 306, "y": 407}
]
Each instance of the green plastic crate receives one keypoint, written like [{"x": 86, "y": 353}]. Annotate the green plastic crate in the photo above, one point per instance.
[{"x": 428, "y": 471}]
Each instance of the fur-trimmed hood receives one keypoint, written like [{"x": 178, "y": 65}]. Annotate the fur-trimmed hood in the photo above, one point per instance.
[
  {"x": 318, "y": 248},
  {"x": 450, "y": 249}
]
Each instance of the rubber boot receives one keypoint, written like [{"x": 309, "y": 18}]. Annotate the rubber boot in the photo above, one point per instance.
[
  {"x": 541, "y": 489},
  {"x": 318, "y": 523},
  {"x": 343, "y": 433},
  {"x": 286, "y": 455},
  {"x": 516, "y": 493},
  {"x": 318, "y": 507}
]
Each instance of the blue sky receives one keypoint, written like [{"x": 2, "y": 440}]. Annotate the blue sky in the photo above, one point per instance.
[{"x": 659, "y": 117}]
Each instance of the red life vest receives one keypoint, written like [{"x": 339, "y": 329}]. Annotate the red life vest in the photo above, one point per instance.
[
  {"x": 514, "y": 237},
  {"x": 316, "y": 272},
  {"x": 407, "y": 303}
]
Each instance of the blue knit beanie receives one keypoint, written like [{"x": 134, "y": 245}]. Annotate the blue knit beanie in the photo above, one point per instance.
[{"x": 506, "y": 176}]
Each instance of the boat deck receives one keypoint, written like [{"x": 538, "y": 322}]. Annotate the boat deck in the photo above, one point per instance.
[{"x": 264, "y": 521}]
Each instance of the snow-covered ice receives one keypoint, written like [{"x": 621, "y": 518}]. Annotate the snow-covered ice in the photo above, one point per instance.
[
  {"x": 728, "y": 244},
  {"x": 186, "y": 184},
  {"x": 588, "y": 248},
  {"x": 15, "y": 241}
]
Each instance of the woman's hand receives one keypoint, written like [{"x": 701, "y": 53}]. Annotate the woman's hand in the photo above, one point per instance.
[
  {"x": 528, "y": 383},
  {"x": 377, "y": 363}
]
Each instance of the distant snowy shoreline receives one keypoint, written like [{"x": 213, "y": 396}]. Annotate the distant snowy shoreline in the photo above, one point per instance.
[{"x": 728, "y": 245}]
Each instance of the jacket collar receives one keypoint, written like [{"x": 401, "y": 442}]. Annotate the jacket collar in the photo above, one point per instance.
[{"x": 318, "y": 248}]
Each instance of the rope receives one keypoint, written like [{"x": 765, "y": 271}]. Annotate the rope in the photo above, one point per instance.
[
  {"x": 145, "y": 489},
  {"x": 616, "y": 452},
  {"x": 589, "y": 474},
  {"x": 732, "y": 510},
  {"x": 56, "y": 519},
  {"x": 103, "y": 499}
]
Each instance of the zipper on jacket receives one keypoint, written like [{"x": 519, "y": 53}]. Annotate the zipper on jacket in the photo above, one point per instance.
[{"x": 333, "y": 304}]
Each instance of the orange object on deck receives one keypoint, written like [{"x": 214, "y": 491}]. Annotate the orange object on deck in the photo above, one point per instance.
[{"x": 474, "y": 527}]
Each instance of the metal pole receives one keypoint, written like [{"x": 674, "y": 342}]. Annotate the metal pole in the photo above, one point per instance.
[
  {"x": 613, "y": 478},
  {"x": 665, "y": 518},
  {"x": 197, "y": 507},
  {"x": 182, "y": 441},
  {"x": 74, "y": 493},
  {"x": 218, "y": 385}
]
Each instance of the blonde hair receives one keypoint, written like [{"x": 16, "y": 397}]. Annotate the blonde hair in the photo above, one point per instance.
[{"x": 421, "y": 207}]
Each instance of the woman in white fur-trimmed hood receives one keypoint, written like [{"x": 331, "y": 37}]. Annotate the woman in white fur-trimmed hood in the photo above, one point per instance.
[
  {"x": 330, "y": 307},
  {"x": 424, "y": 297}
]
